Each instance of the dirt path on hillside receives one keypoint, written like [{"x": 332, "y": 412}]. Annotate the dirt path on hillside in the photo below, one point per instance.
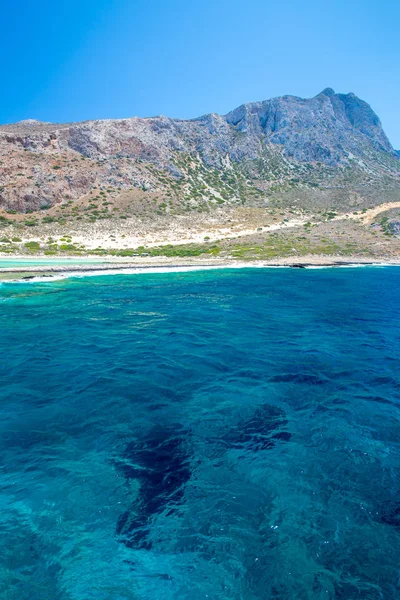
[
  {"x": 366, "y": 218},
  {"x": 179, "y": 236},
  {"x": 131, "y": 238},
  {"x": 370, "y": 214}
]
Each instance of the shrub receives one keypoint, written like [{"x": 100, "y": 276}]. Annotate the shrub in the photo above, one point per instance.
[
  {"x": 68, "y": 247},
  {"x": 32, "y": 245},
  {"x": 4, "y": 221}
]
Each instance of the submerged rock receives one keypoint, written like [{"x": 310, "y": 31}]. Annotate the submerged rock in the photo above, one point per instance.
[
  {"x": 161, "y": 464},
  {"x": 261, "y": 431}
]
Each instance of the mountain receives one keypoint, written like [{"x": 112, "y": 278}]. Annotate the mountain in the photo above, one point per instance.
[{"x": 328, "y": 150}]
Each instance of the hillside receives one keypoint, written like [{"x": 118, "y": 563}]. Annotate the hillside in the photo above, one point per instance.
[{"x": 157, "y": 178}]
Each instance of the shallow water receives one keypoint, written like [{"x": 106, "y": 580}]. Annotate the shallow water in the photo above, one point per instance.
[
  {"x": 38, "y": 262},
  {"x": 222, "y": 434}
]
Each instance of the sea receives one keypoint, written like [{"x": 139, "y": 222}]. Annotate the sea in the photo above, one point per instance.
[{"x": 229, "y": 434}]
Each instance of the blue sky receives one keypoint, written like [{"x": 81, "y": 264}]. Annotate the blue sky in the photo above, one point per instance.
[{"x": 86, "y": 59}]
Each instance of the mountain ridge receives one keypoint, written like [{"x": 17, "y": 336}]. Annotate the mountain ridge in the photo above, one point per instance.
[
  {"x": 358, "y": 112},
  {"x": 330, "y": 141},
  {"x": 327, "y": 92}
]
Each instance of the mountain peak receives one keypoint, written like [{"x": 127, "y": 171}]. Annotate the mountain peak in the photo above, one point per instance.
[
  {"x": 327, "y": 92},
  {"x": 327, "y": 128}
]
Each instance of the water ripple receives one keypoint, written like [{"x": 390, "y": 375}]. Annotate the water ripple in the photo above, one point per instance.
[{"x": 224, "y": 434}]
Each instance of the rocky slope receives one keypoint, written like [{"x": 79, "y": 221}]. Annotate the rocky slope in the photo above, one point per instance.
[{"x": 328, "y": 151}]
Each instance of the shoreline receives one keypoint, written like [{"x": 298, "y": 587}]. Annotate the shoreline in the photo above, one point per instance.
[{"x": 48, "y": 272}]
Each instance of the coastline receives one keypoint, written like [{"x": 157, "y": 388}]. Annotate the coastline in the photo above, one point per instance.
[{"x": 113, "y": 266}]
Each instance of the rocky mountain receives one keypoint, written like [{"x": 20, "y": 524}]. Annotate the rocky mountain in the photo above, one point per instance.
[{"x": 329, "y": 150}]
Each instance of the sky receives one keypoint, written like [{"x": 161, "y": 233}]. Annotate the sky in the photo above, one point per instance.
[{"x": 91, "y": 59}]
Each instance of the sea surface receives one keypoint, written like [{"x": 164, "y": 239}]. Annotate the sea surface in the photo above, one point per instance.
[
  {"x": 46, "y": 262},
  {"x": 227, "y": 434}
]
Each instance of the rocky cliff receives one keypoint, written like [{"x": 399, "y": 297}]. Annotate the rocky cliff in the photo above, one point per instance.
[{"x": 329, "y": 149}]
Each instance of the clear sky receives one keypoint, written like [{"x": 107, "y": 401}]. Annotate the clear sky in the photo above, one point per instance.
[{"x": 84, "y": 59}]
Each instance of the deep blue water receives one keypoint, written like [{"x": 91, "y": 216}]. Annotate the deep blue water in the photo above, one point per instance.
[{"x": 226, "y": 434}]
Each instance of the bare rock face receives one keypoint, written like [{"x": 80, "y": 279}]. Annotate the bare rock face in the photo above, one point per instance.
[
  {"x": 395, "y": 227},
  {"x": 325, "y": 128},
  {"x": 276, "y": 140}
]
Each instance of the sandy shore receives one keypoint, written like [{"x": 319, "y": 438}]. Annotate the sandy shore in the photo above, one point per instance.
[{"x": 149, "y": 264}]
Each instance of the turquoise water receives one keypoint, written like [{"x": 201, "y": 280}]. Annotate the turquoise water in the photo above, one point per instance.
[
  {"x": 37, "y": 262},
  {"x": 223, "y": 434}
]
